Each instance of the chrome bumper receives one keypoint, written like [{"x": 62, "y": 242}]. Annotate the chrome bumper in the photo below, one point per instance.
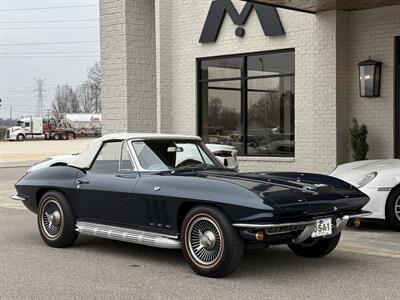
[
  {"x": 308, "y": 226},
  {"x": 18, "y": 198}
]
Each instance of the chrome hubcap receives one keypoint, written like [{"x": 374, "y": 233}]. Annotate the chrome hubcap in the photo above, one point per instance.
[
  {"x": 204, "y": 241},
  {"x": 397, "y": 208},
  {"x": 51, "y": 218}
]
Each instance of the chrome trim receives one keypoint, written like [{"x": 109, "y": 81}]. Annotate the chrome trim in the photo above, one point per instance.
[
  {"x": 17, "y": 198},
  {"x": 244, "y": 225},
  {"x": 307, "y": 232},
  {"x": 341, "y": 224},
  {"x": 361, "y": 215},
  {"x": 129, "y": 235},
  {"x": 384, "y": 189}
]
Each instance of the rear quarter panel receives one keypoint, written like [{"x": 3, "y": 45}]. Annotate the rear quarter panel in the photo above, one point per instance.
[{"x": 34, "y": 184}]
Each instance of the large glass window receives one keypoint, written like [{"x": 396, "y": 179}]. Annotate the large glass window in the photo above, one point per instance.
[{"x": 247, "y": 101}]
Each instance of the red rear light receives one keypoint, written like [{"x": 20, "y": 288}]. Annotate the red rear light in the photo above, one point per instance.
[{"x": 223, "y": 153}]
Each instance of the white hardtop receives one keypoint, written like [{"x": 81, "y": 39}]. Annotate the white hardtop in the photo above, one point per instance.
[{"x": 85, "y": 159}]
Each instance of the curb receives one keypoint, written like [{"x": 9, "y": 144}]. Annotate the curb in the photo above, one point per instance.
[{"x": 16, "y": 164}]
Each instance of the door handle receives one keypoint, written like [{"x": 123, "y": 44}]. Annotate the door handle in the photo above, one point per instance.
[{"x": 79, "y": 182}]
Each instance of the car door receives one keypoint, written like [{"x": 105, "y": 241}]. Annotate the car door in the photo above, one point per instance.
[{"x": 105, "y": 192}]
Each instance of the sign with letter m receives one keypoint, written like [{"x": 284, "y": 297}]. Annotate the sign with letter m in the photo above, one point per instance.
[{"x": 267, "y": 15}]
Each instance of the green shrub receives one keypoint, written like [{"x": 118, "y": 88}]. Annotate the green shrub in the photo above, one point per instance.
[
  {"x": 2, "y": 133},
  {"x": 359, "y": 141}
]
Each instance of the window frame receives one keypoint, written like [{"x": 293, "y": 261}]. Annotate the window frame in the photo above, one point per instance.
[
  {"x": 244, "y": 78},
  {"x": 123, "y": 171}
]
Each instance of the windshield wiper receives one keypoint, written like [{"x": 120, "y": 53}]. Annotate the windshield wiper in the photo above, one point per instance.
[{"x": 198, "y": 167}]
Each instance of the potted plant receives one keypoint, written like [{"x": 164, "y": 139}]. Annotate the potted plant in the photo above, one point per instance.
[{"x": 359, "y": 143}]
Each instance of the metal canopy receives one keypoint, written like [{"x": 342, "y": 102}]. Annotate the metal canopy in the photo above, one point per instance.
[{"x": 314, "y": 6}]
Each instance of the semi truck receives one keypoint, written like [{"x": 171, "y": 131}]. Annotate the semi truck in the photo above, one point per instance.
[{"x": 68, "y": 126}]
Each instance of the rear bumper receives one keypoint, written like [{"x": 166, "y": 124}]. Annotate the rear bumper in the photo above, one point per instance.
[{"x": 297, "y": 232}]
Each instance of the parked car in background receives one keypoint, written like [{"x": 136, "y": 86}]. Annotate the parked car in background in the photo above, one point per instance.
[
  {"x": 170, "y": 191},
  {"x": 226, "y": 154},
  {"x": 380, "y": 180}
]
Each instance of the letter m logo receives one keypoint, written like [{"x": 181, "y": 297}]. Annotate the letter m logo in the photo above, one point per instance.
[{"x": 267, "y": 15}]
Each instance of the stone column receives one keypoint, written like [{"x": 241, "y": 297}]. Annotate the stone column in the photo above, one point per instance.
[
  {"x": 163, "y": 65},
  {"x": 128, "y": 95}
]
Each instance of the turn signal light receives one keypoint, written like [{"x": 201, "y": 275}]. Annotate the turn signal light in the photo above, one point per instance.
[
  {"x": 260, "y": 235},
  {"x": 357, "y": 222}
]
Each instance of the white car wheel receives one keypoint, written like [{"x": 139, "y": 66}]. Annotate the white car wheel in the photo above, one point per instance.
[{"x": 393, "y": 210}]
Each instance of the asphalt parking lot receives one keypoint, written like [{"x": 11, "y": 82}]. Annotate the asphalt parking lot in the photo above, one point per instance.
[
  {"x": 96, "y": 268},
  {"x": 365, "y": 266}
]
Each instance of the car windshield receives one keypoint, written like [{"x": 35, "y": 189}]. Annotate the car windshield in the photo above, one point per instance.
[{"x": 163, "y": 155}]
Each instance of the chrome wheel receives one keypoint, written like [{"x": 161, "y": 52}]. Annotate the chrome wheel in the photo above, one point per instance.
[
  {"x": 205, "y": 240},
  {"x": 397, "y": 208},
  {"x": 51, "y": 218}
]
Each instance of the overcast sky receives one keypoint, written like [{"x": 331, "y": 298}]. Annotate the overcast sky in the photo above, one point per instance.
[{"x": 20, "y": 64}]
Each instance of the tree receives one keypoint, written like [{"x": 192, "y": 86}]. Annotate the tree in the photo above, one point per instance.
[
  {"x": 65, "y": 101},
  {"x": 86, "y": 96},
  {"x": 94, "y": 82},
  {"x": 214, "y": 109}
]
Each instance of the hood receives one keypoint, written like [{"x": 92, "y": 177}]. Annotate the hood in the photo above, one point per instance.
[
  {"x": 14, "y": 128},
  {"x": 294, "y": 192},
  {"x": 351, "y": 172}
]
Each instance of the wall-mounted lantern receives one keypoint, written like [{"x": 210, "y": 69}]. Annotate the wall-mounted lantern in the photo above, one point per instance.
[{"x": 370, "y": 78}]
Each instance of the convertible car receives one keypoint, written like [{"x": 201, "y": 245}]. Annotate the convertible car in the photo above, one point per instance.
[{"x": 170, "y": 191}]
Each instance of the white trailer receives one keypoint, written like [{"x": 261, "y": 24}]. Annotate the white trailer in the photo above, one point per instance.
[{"x": 84, "y": 124}]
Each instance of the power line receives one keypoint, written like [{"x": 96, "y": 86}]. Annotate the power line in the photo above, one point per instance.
[
  {"x": 76, "y": 56},
  {"x": 33, "y": 28},
  {"x": 26, "y": 88},
  {"x": 50, "y": 43},
  {"x": 50, "y": 52},
  {"x": 50, "y": 21},
  {"x": 50, "y": 7}
]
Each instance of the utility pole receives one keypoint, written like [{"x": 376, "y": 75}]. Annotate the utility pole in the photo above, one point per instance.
[
  {"x": 39, "y": 89},
  {"x": 10, "y": 115}
]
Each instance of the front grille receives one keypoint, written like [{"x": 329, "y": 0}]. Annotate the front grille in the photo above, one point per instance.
[
  {"x": 284, "y": 229},
  {"x": 8, "y": 134}
]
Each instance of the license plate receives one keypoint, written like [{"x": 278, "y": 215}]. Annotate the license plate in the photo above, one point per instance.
[{"x": 324, "y": 228}]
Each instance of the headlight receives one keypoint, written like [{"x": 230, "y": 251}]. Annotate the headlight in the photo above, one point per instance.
[{"x": 365, "y": 180}]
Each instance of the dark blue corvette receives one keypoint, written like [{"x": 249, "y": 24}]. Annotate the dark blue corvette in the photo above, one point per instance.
[{"x": 169, "y": 191}]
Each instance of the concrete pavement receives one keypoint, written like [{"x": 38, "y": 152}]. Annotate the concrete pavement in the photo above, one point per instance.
[
  {"x": 365, "y": 265},
  {"x": 34, "y": 150},
  {"x": 103, "y": 269},
  {"x": 8, "y": 176}
]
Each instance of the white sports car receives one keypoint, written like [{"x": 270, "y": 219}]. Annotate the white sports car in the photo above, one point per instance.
[
  {"x": 380, "y": 180},
  {"x": 225, "y": 153}
]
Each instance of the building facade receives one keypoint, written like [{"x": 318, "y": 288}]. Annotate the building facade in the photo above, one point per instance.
[{"x": 279, "y": 84}]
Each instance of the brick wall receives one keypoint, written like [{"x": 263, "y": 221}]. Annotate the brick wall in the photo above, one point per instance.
[
  {"x": 128, "y": 63},
  {"x": 149, "y": 51},
  {"x": 113, "y": 65},
  {"x": 372, "y": 33},
  {"x": 314, "y": 42}
]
